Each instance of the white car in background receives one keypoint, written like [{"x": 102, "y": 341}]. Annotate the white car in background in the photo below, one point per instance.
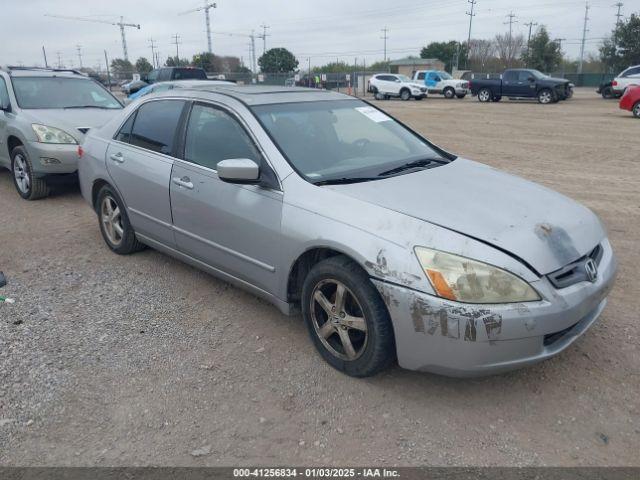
[
  {"x": 630, "y": 76},
  {"x": 442, "y": 83},
  {"x": 386, "y": 85}
]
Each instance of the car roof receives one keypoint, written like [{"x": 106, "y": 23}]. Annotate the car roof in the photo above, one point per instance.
[
  {"x": 42, "y": 72},
  {"x": 263, "y": 95}
]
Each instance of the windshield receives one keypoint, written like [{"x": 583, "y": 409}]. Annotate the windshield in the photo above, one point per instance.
[
  {"x": 342, "y": 139},
  {"x": 445, "y": 76},
  {"x": 57, "y": 92},
  {"x": 537, "y": 74},
  {"x": 189, "y": 74},
  {"x": 404, "y": 78}
]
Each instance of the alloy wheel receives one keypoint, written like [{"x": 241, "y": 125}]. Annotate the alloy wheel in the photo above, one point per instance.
[
  {"x": 484, "y": 95},
  {"x": 338, "y": 319},
  {"x": 545, "y": 97},
  {"x": 21, "y": 174},
  {"x": 636, "y": 110},
  {"x": 111, "y": 220}
]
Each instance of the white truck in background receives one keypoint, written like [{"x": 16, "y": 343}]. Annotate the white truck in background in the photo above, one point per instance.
[{"x": 441, "y": 83}]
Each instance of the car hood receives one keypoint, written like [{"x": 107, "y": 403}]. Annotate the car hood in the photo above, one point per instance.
[
  {"x": 558, "y": 80},
  {"x": 72, "y": 119},
  {"x": 542, "y": 228}
]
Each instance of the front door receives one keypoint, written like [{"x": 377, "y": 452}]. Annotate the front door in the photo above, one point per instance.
[
  {"x": 234, "y": 228},
  {"x": 140, "y": 161}
]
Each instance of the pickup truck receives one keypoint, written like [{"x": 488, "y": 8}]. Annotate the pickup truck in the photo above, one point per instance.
[
  {"x": 522, "y": 83},
  {"x": 441, "y": 83}
]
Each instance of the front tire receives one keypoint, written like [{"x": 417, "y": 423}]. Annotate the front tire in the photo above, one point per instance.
[
  {"x": 607, "y": 93},
  {"x": 115, "y": 227},
  {"x": 347, "y": 320},
  {"x": 449, "y": 92},
  {"x": 545, "y": 96},
  {"x": 28, "y": 186},
  {"x": 484, "y": 95},
  {"x": 405, "y": 95},
  {"x": 636, "y": 110}
]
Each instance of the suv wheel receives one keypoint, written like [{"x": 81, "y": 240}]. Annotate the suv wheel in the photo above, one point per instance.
[
  {"x": 449, "y": 92},
  {"x": 29, "y": 187},
  {"x": 348, "y": 322},
  {"x": 636, "y": 110},
  {"x": 115, "y": 227},
  {"x": 405, "y": 95}
]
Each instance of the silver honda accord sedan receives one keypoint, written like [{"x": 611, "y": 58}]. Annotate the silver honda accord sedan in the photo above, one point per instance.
[{"x": 391, "y": 248}]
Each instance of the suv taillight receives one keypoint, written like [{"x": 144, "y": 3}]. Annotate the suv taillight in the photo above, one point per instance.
[{"x": 614, "y": 83}]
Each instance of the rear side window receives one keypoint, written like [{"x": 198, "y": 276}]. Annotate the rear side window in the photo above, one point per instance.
[
  {"x": 421, "y": 76},
  {"x": 125, "y": 131},
  {"x": 189, "y": 74},
  {"x": 156, "y": 124},
  {"x": 632, "y": 71},
  {"x": 213, "y": 135},
  {"x": 4, "y": 94},
  {"x": 164, "y": 74},
  {"x": 511, "y": 76}
]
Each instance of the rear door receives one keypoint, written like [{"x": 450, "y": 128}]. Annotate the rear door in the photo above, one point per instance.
[
  {"x": 140, "y": 160},
  {"x": 4, "y": 117},
  {"x": 234, "y": 228},
  {"x": 510, "y": 83}
]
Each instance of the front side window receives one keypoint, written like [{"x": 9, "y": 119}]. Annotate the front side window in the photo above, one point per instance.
[
  {"x": 156, "y": 124},
  {"x": 445, "y": 76},
  {"x": 213, "y": 135},
  {"x": 342, "y": 139},
  {"x": 404, "y": 78},
  {"x": 59, "y": 92}
]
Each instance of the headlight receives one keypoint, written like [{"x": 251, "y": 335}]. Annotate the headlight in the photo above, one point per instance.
[
  {"x": 52, "y": 135},
  {"x": 465, "y": 280}
]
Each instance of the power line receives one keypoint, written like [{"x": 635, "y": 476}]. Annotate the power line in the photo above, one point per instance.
[{"x": 584, "y": 36}]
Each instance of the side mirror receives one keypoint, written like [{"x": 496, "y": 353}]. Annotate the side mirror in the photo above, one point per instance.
[
  {"x": 238, "y": 170},
  {"x": 532, "y": 79},
  {"x": 5, "y": 106}
]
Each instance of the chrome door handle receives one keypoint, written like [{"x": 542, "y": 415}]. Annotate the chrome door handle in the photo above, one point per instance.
[
  {"x": 117, "y": 157},
  {"x": 184, "y": 182}
]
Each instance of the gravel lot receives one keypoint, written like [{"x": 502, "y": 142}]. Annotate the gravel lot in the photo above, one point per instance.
[{"x": 142, "y": 360}]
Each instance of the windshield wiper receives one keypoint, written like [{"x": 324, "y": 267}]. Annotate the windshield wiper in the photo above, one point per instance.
[
  {"x": 415, "y": 164},
  {"x": 102, "y": 107},
  {"x": 344, "y": 180}
]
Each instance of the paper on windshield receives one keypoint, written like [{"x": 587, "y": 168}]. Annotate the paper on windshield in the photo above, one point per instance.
[{"x": 373, "y": 114}]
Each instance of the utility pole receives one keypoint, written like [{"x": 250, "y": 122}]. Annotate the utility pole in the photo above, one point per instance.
[
  {"x": 153, "y": 52},
  {"x": 264, "y": 37},
  {"x": 59, "y": 54},
  {"x": 584, "y": 36},
  {"x": 79, "y": 48},
  {"x": 106, "y": 62},
  {"x": 559, "y": 42},
  {"x": 531, "y": 24},
  {"x": 511, "y": 21},
  {"x": 618, "y": 21},
  {"x": 471, "y": 15},
  {"x": 385, "y": 37},
  {"x": 176, "y": 41},
  {"x": 44, "y": 54},
  {"x": 253, "y": 51}
]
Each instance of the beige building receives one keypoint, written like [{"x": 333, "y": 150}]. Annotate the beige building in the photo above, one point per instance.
[{"x": 407, "y": 66}]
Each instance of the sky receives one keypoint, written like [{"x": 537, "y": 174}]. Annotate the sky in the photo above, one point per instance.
[{"x": 322, "y": 31}]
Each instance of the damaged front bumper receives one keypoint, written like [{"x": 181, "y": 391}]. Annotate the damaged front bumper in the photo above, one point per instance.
[{"x": 466, "y": 340}]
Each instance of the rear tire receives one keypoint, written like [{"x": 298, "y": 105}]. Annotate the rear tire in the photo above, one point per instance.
[
  {"x": 636, "y": 110},
  {"x": 484, "y": 95},
  {"x": 351, "y": 330},
  {"x": 449, "y": 92},
  {"x": 405, "y": 94},
  {"x": 115, "y": 227},
  {"x": 607, "y": 93},
  {"x": 28, "y": 186}
]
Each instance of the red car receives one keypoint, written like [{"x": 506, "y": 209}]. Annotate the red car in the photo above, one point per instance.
[{"x": 631, "y": 100}]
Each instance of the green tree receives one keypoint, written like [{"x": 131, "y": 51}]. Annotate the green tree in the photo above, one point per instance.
[
  {"x": 143, "y": 66},
  {"x": 451, "y": 53},
  {"x": 542, "y": 53},
  {"x": 205, "y": 60},
  {"x": 176, "y": 62},
  {"x": 623, "y": 48},
  {"x": 379, "y": 66},
  {"x": 278, "y": 60},
  {"x": 121, "y": 68}
]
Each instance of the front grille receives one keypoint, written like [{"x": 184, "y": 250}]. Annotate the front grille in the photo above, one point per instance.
[
  {"x": 551, "y": 338},
  {"x": 575, "y": 272}
]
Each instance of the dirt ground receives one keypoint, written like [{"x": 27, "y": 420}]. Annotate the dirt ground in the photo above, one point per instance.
[{"x": 142, "y": 360}]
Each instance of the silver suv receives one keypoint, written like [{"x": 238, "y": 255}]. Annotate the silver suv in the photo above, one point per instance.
[{"x": 44, "y": 115}]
